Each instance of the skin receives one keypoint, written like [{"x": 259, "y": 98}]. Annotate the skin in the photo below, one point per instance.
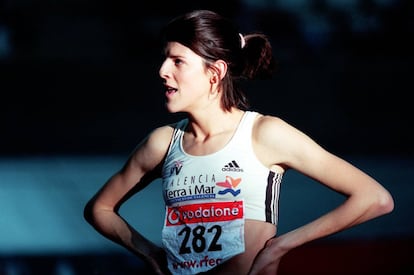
[{"x": 278, "y": 145}]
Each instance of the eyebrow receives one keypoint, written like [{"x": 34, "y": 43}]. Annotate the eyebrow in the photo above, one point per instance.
[{"x": 176, "y": 56}]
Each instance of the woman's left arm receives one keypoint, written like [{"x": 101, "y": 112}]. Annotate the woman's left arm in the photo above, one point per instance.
[{"x": 365, "y": 197}]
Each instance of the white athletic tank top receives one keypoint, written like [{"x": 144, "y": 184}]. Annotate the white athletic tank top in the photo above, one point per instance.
[{"x": 208, "y": 198}]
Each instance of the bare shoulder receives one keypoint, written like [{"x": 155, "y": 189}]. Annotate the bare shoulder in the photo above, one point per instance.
[
  {"x": 268, "y": 141},
  {"x": 160, "y": 137},
  {"x": 277, "y": 142},
  {"x": 151, "y": 151},
  {"x": 271, "y": 128}
]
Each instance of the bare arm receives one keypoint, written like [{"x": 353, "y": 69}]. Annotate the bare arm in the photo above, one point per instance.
[
  {"x": 365, "y": 197},
  {"x": 140, "y": 169}
]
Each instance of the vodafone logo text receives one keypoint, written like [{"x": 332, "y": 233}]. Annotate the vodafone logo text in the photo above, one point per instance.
[{"x": 204, "y": 212}]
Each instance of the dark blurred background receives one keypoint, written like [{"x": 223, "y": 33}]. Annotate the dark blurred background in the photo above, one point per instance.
[
  {"x": 80, "y": 76},
  {"x": 80, "y": 87}
]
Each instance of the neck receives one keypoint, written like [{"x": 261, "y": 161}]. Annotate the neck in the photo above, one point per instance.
[{"x": 209, "y": 124}]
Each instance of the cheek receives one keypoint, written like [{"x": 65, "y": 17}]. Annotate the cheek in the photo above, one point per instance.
[{"x": 195, "y": 78}]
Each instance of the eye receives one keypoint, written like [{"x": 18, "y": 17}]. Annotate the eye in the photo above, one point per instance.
[{"x": 177, "y": 61}]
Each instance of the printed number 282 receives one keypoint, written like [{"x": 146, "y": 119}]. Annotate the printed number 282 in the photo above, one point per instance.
[{"x": 198, "y": 242}]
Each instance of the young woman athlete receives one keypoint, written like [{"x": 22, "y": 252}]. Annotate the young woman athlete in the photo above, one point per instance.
[{"x": 221, "y": 167}]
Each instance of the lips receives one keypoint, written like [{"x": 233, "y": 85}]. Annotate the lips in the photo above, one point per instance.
[{"x": 171, "y": 90}]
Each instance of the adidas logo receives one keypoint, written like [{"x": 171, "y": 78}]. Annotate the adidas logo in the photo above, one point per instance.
[{"x": 232, "y": 167}]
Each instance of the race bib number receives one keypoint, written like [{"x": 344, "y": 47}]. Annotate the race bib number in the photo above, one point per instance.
[{"x": 198, "y": 237}]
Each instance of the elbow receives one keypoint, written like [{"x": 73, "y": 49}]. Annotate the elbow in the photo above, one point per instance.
[
  {"x": 88, "y": 211},
  {"x": 384, "y": 203},
  {"x": 95, "y": 213},
  {"x": 388, "y": 204}
]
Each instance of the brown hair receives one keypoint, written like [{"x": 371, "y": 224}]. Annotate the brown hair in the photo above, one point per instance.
[{"x": 214, "y": 37}]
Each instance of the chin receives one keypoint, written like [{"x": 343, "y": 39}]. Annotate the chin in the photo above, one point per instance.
[{"x": 171, "y": 109}]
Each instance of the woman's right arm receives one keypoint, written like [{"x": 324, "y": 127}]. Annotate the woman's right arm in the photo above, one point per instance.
[{"x": 141, "y": 168}]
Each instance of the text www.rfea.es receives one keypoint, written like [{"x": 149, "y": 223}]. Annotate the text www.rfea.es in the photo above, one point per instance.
[{"x": 197, "y": 263}]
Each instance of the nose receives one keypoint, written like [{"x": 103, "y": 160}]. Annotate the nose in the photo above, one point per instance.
[{"x": 163, "y": 72}]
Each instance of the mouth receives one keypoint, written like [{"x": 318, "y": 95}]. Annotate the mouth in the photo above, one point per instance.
[{"x": 170, "y": 90}]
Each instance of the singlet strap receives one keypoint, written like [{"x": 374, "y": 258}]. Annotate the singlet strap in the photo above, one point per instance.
[
  {"x": 179, "y": 128},
  {"x": 244, "y": 131}
]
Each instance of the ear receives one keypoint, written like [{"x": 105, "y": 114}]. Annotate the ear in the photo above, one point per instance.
[
  {"x": 221, "y": 68},
  {"x": 218, "y": 70}
]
